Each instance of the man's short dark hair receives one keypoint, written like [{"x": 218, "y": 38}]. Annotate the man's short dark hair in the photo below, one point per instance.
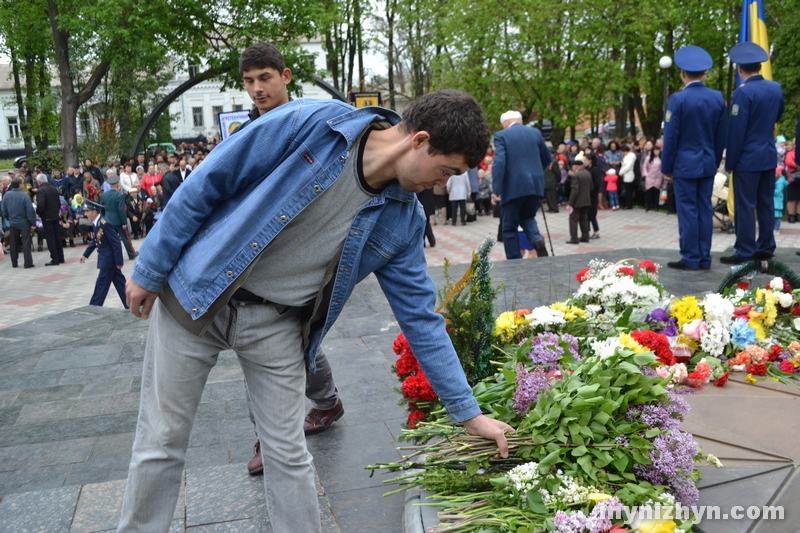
[
  {"x": 16, "y": 182},
  {"x": 751, "y": 69},
  {"x": 625, "y": 148},
  {"x": 262, "y": 55},
  {"x": 455, "y": 122}
]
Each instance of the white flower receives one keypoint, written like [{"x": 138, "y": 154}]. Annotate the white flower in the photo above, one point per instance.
[
  {"x": 544, "y": 316},
  {"x": 784, "y": 299},
  {"x": 776, "y": 284},
  {"x": 713, "y": 460},
  {"x": 717, "y": 309},
  {"x": 715, "y": 338},
  {"x": 796, "y": 323},
  {"x": 606, "y": 348},
  {"x": 738, "y": 368}
]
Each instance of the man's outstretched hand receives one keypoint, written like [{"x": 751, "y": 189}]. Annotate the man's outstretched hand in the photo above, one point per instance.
[
  {"x": 139, "y": 300},
  {"x": 491, "y": 429}
]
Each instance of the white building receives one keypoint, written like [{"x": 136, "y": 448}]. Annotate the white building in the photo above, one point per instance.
[{"x": 192, "y": 113}]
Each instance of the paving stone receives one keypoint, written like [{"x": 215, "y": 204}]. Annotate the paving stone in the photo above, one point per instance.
[
  {"x": 9, "y": 415},
  {"x": 49, "y": 394},
  {"x": 113, "y": 447},
  {"x": 365, "y": 508},
  {"x": 109, "y": 387},
  {"x": 203, "y": 456},
  {"x": 237, "y": 408},
  {"x": 97, "y": 471},
  {"x": 50, "y": 454},
  {"x": 131, "y": 352},
  {"x": 221, "y": 373},
  {"x": 41, "y": 412},
  {"x": 33, "y": 479},
  {"x": 252, "y": 525},
  {"x": 68, "y": 429},
  {"x": 29, "y": 381},
  {"x": 338, "y": 467},
  {"x": 21, "y": 365},
  {"x": 212, "y": 411},
  {"x": 237, "y": 429},
  {"x": 204, "y": 433},
  {"x": 85, "y": 357},
  {"x": 241, "y": 451},
  {"x": 226, "y": 390},
  {"x": 25, "y": 513},
  {"x": 99, "y": 506},
  {"x": 7, "y": 399},
  {"x": 787, "y": 499},
  {"x": 222, "y": 493},
  {"x": 105, "y": 405},
  {"x": 89, "y": 375},
  {"x": 129, "y": 370}
]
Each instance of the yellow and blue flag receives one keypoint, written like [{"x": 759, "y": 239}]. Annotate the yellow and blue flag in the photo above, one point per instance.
[{"x": 754, "y": 29}]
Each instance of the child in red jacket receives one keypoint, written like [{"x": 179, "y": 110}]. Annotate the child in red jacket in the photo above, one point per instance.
[{"x": 611, "y": 187}]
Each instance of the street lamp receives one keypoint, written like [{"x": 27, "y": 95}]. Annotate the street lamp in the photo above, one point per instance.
[{"x": 665, "y": 62}]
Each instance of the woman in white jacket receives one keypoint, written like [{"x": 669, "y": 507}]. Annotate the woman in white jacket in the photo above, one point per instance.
[
  {"x": 459, "y": 189},
  {"x": 627, "y": 174}
]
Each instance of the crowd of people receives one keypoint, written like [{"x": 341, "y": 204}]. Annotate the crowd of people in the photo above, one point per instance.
[{"x": 146, "y": 184}]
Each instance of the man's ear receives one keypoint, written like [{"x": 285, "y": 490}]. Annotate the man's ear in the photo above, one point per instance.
[{"x": 420, "y": 138}]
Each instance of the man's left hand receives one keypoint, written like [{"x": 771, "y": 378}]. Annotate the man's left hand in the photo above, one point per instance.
[{"x": 491, "y": 429}]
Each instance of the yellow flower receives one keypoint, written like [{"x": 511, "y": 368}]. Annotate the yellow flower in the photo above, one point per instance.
[
  {"x": 505, "y": 324},
  {"x": 598, "y": 497},
  {"x": 657, "y": 526},
  {"x": 691, "y": 343},
  {"x": 770, "y": 309},
  {"x": 685, "y": 310},
  {"x": 571, "y": 312},
  {"x": 758, "y": 326},
  {"x": 631, "y": 343},
  {"x": 750, "y": 378}
]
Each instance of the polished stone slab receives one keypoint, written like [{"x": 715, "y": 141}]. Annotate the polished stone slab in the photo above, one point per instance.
[{"x": 47, "y": 511}]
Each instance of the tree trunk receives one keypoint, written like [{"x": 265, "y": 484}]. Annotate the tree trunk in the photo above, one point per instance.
[
  {"x": 70, "y": 100},
  {"x": 44, "y": 120},
  {"x": 24, "y": 128},
  {"x": 332, "y": 60},
  {"x": 390, "y": 13}
]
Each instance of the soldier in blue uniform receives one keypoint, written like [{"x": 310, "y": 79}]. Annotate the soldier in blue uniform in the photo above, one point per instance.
[
  {"x": 109, "y": 255},
  {"x": 756, "y": 107},
  {"x": 694, "y": 139}
]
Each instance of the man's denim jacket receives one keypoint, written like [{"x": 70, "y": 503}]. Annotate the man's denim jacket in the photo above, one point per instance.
[{"x": 252, "y": 185}]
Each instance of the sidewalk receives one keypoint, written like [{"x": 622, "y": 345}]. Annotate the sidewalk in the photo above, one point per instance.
[{"x": 69, "y": 286}]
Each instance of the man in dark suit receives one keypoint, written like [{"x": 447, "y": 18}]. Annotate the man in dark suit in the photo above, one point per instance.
[
  {"x": 109, "y": 256},
  {"x": 182, "y": 172},
  {"x": 170, "y": 181},
  {"x": 757, "y": 106},
  {"x": 694, "y": 139},
  {"x": 48, "y": 207},
  {"x": 520, "y": 158},
  {"x": 580, "y": 201}
]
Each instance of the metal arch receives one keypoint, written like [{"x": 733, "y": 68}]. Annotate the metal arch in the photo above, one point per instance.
[{"x": 188, "y": 84}]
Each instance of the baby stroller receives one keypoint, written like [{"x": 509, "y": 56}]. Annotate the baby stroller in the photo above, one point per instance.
[{"x": 719, "y": 201}]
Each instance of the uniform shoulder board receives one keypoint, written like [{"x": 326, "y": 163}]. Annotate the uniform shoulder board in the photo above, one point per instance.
[
  {"x": 735, "y": 110},
  {"x": 669, "y": 115}
]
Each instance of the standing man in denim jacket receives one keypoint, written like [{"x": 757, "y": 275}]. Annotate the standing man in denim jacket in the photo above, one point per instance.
[
  {"x": 265, "y": 79},
  {"x": 341, "y": 181}
]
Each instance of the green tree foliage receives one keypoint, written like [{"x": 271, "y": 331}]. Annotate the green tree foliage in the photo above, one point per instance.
[{"x": 784, "y": 28}]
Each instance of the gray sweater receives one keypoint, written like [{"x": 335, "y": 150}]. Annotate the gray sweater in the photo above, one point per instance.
[{"x": 18, "y": 209}]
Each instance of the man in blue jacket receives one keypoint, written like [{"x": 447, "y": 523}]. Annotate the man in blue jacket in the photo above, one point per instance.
[
  {"x": 757, "y": 106},
  {"x": 18, "y": 210},
  {"x": 340, "y": 181},
  {"x": 694, "y": 139},
  {"x": 520, "y": 158}
]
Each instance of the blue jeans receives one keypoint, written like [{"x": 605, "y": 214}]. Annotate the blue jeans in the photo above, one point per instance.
[
  {"x": 520, "y": 212},
  {"x": 613, "y": 199},
  {"x": 176, "y": 367}
]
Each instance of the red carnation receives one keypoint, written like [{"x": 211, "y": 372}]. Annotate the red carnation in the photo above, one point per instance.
[
  {"x": 787, "y": 366},
  {"x": 414, "y": 417},
  {"x": 657, "y": 342},
  {"x": 786, "y": 286},
  {"x": 583, "y": 275},
  {"x": 757, "y": 369},
  {"x": 775, "y": 352},
  {"x": 407, "y": 364},
  {"x": 626, "y": 270},
  {"x": 722, "y": 379},
  {"x": 417, "y": 387},
  {"x": 796, "y": 310},
  {"x": 743, "y": 285},
  {"x": 649, "y": 266},
  {"x": 401, "y": 346}
]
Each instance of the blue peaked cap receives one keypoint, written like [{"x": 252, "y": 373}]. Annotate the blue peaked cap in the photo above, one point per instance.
[
  {"x": 748, "y": 53},
  {"x": 693, "y": 59}
]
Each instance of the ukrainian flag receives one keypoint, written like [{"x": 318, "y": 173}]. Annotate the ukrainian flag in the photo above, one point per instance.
[{"x": 754, "y": 29}]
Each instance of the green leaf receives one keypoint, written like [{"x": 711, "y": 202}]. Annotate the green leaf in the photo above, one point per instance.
[
  {"x": 579, "y": 451},
  {"x": 650, "y": 433},
  {"x": 644, "y": 359},
  {"x": 602, "y": 417},
  {"x": 586, "y": 463},
  {"x": 535, "y": 503},
  {"x": 473, "y": 467},
  {"x": 499, "y": 482}
]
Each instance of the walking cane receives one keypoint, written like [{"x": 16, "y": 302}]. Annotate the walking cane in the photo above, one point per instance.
[{"x": 552, "y": 253}]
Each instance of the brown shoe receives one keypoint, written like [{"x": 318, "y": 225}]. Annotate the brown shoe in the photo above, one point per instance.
[
  {"x": 255, "y": 466},
  {"x": 317, "y": 421}
]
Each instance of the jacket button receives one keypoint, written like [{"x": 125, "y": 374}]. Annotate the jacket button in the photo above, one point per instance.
[
  {"x": 317, "y": 188},
  {"x": 342, "y": 158},
  {"x": 194, "y": 310},
  {"x": 283, "y": 218},
  {"x": 229, "y": 274},
  {"x": 254, "y": 246}
]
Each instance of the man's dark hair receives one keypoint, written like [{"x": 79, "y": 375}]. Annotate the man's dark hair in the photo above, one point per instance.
[
  {"x": 16, "y": 182},
  {"x": 625, "y": 148},
  {"x": 262, "y": 55},
  {"x": 455, "y": 122},
  {"x": 751, "y": 69}
]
